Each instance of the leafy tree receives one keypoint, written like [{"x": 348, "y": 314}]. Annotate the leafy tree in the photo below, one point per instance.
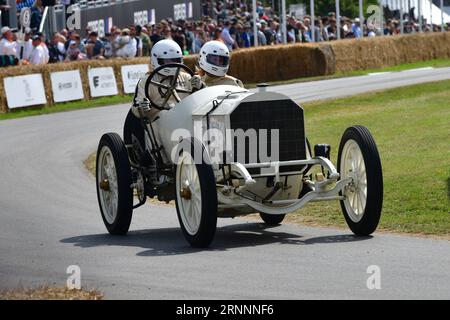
[{"x": 348, "y": 8}]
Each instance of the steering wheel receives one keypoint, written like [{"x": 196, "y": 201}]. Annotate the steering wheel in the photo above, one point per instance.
[{"x": 170, "y": 89}]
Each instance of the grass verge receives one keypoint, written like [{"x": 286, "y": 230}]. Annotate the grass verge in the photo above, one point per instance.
[
  {"x": 411, "y": 128},
  {"x": 47, "y": 293}
]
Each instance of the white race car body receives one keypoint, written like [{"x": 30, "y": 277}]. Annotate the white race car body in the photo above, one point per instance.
[
  {"x": 268, "y": 110},
  {"x": 225, "y": 151}
]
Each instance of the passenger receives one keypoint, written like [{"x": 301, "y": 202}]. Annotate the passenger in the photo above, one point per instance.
[{"x": 213, "y": 64}]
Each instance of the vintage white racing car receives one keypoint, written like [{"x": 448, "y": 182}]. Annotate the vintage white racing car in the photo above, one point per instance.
[{"x": 224, "y": 151}]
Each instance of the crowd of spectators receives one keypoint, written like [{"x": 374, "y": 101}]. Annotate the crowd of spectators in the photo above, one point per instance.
[{"x": 230, "y": 21}]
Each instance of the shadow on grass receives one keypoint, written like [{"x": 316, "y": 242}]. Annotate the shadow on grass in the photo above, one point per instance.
[{"x": 170, "y": 241}]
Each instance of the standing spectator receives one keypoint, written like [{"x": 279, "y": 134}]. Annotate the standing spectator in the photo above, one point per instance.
[
  {"x": 199, "y": 41},
  {"x": 65, "y": 34},
  {"x": 167, "y": 32},
  {"x": 107, "y": 43},
  {"x": 80, "y": 44},
  {"x": 268, "y": 34},
  {"x": 56, "y": 49},
  {"x": 157, "y": 34},
  {"x": 7, "y": 44},
  {"x": 44, "y": 46},
  {"x": 139, "y": 45},
  {"x": 221, "y": 12},
  {"x": 36, "y": 14},
  {"x": 261, "y": 37},
  {"x": 141, "y": 32},
  {"x": 245, "y": 35},
  {"x": 127, "y": 45},
  {"x": 356, "y": 28},
  {"x": 332, "y": 28},
  {"x": 211, "y": 29},
  {"x": 94, "y": 47},
  {"x": 86, "y": 37},
  {"x": 226, "y": 37},
  {"x": 299, "y": 32},
  {"x": 217, "y": 35},
  {"x": 290, "y": 34},
  {"x": 319, "y": 34},
  {"x": 190, "y": 36},
  {"x": 234, "y": 33},
  {"x": 307, "y": 32},
  {"x": 38, "y": 55},
  {"x": 180, "y": 38},
  {"x": 25, "y": 46},
  {"x": 116, "y": 38},
  {"x": 275, "y": 30},
  {"x": 73, "y": 52}
]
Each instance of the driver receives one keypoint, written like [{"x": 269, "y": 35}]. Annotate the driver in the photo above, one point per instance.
[
  {"x": 213, "y": 65},
  {"x": 163, "y": 52}
]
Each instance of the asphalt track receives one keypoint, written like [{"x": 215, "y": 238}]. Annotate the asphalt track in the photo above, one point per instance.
[{"x": 49, "y": 219}]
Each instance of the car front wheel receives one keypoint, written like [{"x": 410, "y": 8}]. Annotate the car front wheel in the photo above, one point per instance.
[
  {"x": 196, "y": 199},
  {"x": 358, "y": 159}
]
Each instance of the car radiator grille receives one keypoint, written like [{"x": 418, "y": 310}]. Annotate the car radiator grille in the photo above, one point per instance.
[{"x": 284, "y": 115}]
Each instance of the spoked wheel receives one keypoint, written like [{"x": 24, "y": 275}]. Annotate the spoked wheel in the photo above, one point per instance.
[
  {"x": 113, "y": 177},
  {"x": 272, "y": 219},
  {"x": 359, "y": 159},
  {"x": 196, "y": 199}
]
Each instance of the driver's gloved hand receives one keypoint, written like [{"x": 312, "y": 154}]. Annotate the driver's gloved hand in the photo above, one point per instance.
[
  {"x": 144, "y": 105},
  {"x": 196, "y": 82},
  {"x": 143, "y": 108}
]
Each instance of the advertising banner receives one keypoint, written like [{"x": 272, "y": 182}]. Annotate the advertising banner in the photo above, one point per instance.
[
  {"x": 66, "y": 86},
  {"x": 102, "y": 82},
  {"x": 24, "y": 91},
  {"x": 131, "y": 75}
]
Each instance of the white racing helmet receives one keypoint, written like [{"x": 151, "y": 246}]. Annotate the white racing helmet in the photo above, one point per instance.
[
  {"x": 164, "y": 52},
  {"x": 214, "y": 58}
]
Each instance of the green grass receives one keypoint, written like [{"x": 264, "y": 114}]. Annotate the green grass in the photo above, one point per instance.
[
  {"x": 411, "y": 126},
  {"x": 67, "y": 106}
]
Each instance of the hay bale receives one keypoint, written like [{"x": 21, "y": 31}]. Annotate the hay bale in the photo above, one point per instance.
[
  {"x": 274, "y": 63},
  {"x": 371, "y": 53}
]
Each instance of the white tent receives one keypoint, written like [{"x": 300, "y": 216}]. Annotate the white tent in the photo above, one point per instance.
[{"x": 434, "y": 14}]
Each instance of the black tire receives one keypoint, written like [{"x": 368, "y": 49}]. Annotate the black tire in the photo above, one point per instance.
[
  {"x": 122, "y": 220},
  {"x": 204, "y": 236},
  {"x": 374, "y": 198},
  {"x": 272, "y": 219}
]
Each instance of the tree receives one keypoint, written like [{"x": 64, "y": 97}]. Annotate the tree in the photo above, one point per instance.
[{"x": 348, "y": 8}]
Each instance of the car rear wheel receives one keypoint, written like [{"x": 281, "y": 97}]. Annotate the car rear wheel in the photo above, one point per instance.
[
  {"x": 113, "y": 179},
  {"x": 358, "y": 158},
  {"x": 196, "y": 199},
  {"x": 272, "y": 219}
]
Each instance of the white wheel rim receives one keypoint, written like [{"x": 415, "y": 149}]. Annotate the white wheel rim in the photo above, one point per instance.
[
  {"x": 190, "y": 209},
  {"x": 108, "y": 198},
  {"x": 353, "y": 166}
]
